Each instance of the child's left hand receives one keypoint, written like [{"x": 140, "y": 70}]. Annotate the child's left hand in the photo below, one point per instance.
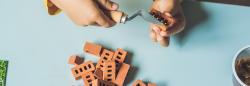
[{"x": 170, "y": 8}]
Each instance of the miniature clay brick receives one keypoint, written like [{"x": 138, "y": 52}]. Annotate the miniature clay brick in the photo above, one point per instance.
[
  {"x": 105, "y": 56},
  {"x": 99, "y": 82},
  {"x": 119, "y": 55},
  {"x": 121, "y": 76},
  {"x": 99, "y": 73},
  {"x": 152, "y": 84},
  {"x": 88, "y": 78},
  {"x": 93, "y": 48},
  {"x": 109, "y": 71},
  {"x": 75, "y": 60},
  {"x": 79, "y": 70},
  {"x": 139, "y": 83}
]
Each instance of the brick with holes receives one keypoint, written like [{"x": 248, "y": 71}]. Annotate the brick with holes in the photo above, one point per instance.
[
  {"x": 79, "y": 70},
  {"x": 119, "y": 55},
  {"x": 109, "y": 71},
  {"x": 138, "y": 83},
  {"x": 99, "y": 73},
  {"x": 151, "y": 84},
  {"x": 99, "y": 82},
  {"x": 121, "y": 76},
  {"x": 92, "y": 48},
  {"x": 88, "y": 78},
  {"x": 75, "y": 60},
  {"x": 105, "y": 56}
]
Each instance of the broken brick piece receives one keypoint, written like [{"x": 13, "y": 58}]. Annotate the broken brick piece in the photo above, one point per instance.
[
  {"x": 121, "y": 76},
  {"x": 109, "y": 71},
  {"x": 119, "y": 55},
  {"x": 99, "y": 73},
  {"x": 138, "y": 83},
  {"x": 75, "y": 60},
  {"x": 151, "y": 84},
  {"x": 99, "y": 82},
  {"x": 105, "y": 56},
  {"x": 92, "y": 48},
  {"x": 79, "y": 70},
  {"x": 88, "y": 77}
]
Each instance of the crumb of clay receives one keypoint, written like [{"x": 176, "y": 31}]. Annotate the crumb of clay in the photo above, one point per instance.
[{"x": 243, "y": 70}]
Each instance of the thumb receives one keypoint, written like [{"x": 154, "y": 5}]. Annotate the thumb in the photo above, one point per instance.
[{"x": 108, "y": 5}]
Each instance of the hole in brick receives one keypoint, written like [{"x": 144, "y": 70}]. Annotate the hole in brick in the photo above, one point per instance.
[
  {"x": 107, "y": 54},
  {"x": 109, "y": 66},
  {"x": 118, "y": 57},
  {"x": 105, "y": 58},
  {"x": 76, "y": 71},
  {"x": 89, "y": 66},
  {"x": 138, "y": 85},
  {"x": 80, "y": 69},
  {"x": 85, "y": 68},
  {"x": 116, "y": 61},
  {"x": 120, "y": 53},
  {"x": 109, "y": 79},
  {"x": 109, "y": 70},
  {"x": 109, "y": 75},
  {"x": 102, "y": 61},
  {"x": 101, "y": 65},
  {"x": 87, "y": 76},
  {"x": 89, "y": 80},
  {"x": 90, "y": 84}
]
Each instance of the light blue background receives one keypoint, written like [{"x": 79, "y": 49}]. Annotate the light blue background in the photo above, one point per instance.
[{"x": 38, "y": 45}]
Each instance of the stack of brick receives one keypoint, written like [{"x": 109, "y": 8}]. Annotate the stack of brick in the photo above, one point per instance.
[{"x": 110, "y": 70}]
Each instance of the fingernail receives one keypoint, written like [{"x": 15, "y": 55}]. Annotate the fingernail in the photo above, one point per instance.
[{"x": 114, "y": 6}]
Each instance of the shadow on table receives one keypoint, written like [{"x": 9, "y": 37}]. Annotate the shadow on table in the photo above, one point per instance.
[
  {"x": 195, "y": 15},
  {"x": 133, "y": 71}
]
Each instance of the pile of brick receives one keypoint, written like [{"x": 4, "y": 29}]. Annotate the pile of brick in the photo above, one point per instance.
[{"x": 110, "y": 70}]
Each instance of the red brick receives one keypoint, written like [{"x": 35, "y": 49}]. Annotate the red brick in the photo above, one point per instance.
[
  {"x": 99, "y": 82},
  {"x": 79, "y": 70},
  {"x": 75, "y": 60},
  {"x": 88, "y": 78},
  {"x": 92, "y": 48},
  {"x": 119, "y": 55},
  {"x": 99, "y": 73},
  {"x": 105, "y": 56},
  {"x": 109, "y": 71},
  {"x": 121, "y": 76}
]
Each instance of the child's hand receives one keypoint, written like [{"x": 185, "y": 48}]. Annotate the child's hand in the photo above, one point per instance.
[
  {"x": 171, "y": 9},
  {"x": 88, "y": 12}
]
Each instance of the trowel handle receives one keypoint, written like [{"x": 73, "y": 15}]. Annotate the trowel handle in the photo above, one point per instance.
[{"x": 118, "y": 16}]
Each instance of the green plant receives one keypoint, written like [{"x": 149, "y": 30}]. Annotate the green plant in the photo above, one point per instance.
[{"x": 3, "y": 72}]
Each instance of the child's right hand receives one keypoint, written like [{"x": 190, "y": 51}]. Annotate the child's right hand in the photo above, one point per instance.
[{"x": 88, "y": 12}]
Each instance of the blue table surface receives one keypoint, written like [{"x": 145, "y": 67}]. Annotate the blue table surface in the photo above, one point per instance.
[{"x": 38, "y": 45}]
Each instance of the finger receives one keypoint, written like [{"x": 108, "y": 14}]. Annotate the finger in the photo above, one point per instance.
[
  {"x": 178, "y": 26},
  {"x": 164, "y": 34},
  {"x": 165, "y": 41},
  {"x": 155, "y": 28},
  {"x": 153, "y": 36},
  {"x": 108, "y": 5},
  {"x": 94, "y": 24},
  {"x": 104, "y": 21}
]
